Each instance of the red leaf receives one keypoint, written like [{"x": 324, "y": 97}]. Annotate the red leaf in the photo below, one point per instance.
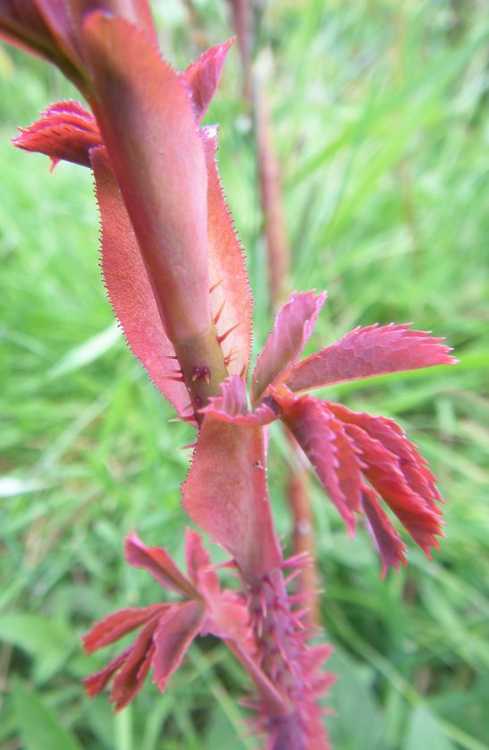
[
  {"x": 231, "y": 300},
  {"x": 328, "y": 451},
  {"x": 227, "y": 615},
  {"x": 293, "y": 326},
  {"x": 199, "y": 565},
  {"x": 175, "y": 632},
  {"x": 411, "y": 463},
  {"x": 369, "y": 351},
  {"x": 384, "y": 473},
  {"x": 349, "y": 465},
  {"x": 388, "y": 542},
  {"x": 226, "y": 494},
  {"x": 229, "y": 619},
  {"x": 64, "y": 131},
  {"x": 204, "y": 74},
  {"x": 159, "y": 564},
  {"x": 75, "y": 109},
  {"x": 231, "y": 405},
  {"x": 130, "y": 290},
  {"x": 130, "y": 677},
  {"x": 145, "y": 115},
  {"x": 96, "y": 682},
  {"x": 118, "y": 624}
]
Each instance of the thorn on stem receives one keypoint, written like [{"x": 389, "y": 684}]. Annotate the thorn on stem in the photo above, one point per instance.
[
  {"x": 224, "y": 336},
  {"x": 214, "y": 286},
  {"x": 219, "y": 313}
]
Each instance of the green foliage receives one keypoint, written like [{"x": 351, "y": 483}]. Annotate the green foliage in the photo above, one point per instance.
[
  {"x": 38, "y": 724},
  {"x": 380, "y": 112}
]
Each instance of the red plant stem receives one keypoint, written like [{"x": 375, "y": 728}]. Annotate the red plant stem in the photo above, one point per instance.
[
  {"x": 242, "y": 13},
  {"x": 276, "y": 240},
  {"x": 284, "y": 657},
  {"x": 198, "y": 352},
  {"x": 192, "y": 332},
  {"x": 201, "y": 351}
]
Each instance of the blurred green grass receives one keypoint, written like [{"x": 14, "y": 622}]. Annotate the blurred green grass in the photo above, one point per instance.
[{"x": 381, "y": 121}]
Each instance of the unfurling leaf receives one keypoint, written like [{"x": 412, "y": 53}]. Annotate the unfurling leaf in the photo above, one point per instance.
[
  {"x": 158, "y": 563},
  {"x": 65, "y": 131},
  {"x": 203, "y": 75},
  {"x": 292, "y": 328}
]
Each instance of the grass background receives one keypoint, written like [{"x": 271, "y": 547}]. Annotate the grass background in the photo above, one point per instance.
[{"x": 380, "y": 112}]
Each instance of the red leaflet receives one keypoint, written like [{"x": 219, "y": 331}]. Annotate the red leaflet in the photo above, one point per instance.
[
  {"x": 345, "y": 457},
  {"x": 199, "y": 566},
  {"x": 64, "y": 131},
  {"x": 167, "y": 632},
  {"x": 96, "y": 682},
  {"x": 411, "y": 463},
  {"x": 312, "y": 427},
  {"x": 384, "y": 473},
  {"x": 346, "y": 448},
  {"x": 129, "y": 679},
  {"x": 227, "y": 614},
  {"x": 118, "y": 624},
  {"x": 130, "y": 290},
  {"x": 394, "y": 468},
  {"x": 146, "y": 119},
  {"x": 157, "y": 562},
  {"x": 226, "y": 494},
  {"x": 293, "y": 326},
  {"x": 175, "y": 633},
  {"x": 388, "y": 542},
  {"x": 373, "y": 350},
  {"x": 169, "y": 629},
  {"x": 204, "y": 74}
]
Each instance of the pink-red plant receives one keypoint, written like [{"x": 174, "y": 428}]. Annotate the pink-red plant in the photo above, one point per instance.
[{"x": 176, "y": 278}]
